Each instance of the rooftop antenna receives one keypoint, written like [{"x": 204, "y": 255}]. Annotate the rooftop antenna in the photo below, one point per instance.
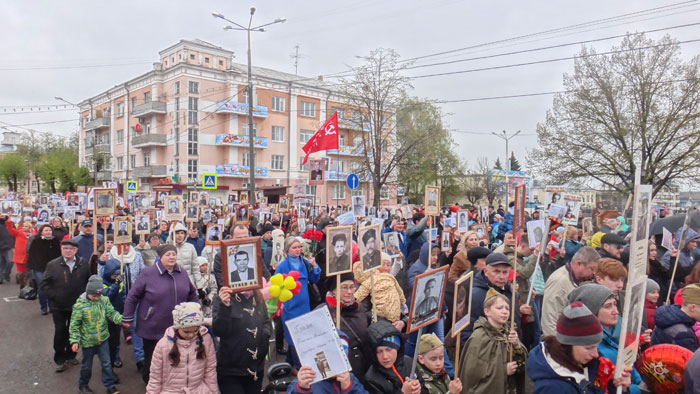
[{"x": 296, "y": 56}]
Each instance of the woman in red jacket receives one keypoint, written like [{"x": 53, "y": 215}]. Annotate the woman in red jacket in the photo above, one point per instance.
[{"x": 20, "y": 255}]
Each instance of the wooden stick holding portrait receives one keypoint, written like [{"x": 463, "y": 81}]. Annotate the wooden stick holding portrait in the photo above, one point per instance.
[{"x": 241, "y": 264}]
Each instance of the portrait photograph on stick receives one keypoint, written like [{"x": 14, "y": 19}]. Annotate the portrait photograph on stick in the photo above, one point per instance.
[
  {"x": 462, "y": 221},
  {"x": 192, "y": 213},
  {"x": 122, "y": 235},
  {"x": 427, "y": 298},
  {"x": 161, "y": 193},
  {"x": 316, "y": 173},
  {"x": 358, "y": 206},
  {"x": 143, "y": 225},
  {"x": 369, "y": 247},
  {"x": 462, "y": 303},
  {"x": 432, "y": 200},
  {"x": 284, "y": 203},
  {"x": 173, "y": 208},
  {"x": 242, "y": 214},
  {"x": 105, "y": 201},
  {"x": 241, "y": 264},
  {"x": 338, "y": 250},
  {"x": 214, "y": 234},
  {"x": 391, "y": 243}
]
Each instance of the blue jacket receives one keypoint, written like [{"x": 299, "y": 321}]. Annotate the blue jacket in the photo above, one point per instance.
[
  {"x": 506, "y": 225},
  {"x": 571, "y": 248},
  {"x": 111, "y": 289},
  {"x": 608, "y": 348},
  {"x": 675, "y": 327},
  {"x": 300, "y": 303},
  {"x": 85, "y": 245},
  {"x": 198, "y": 244},
  {"x": 403, "y": 241},
  {"x": 547, "y": 381},
  {"x": 266, "y": 246},
  {"x": 327, "y": 386},
  {"x": 414, "y": 235}
]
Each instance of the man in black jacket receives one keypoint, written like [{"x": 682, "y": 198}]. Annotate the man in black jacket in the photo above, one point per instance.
[
  {"x": 7, "y": 244},
  {"x": 64, "y": 281}
]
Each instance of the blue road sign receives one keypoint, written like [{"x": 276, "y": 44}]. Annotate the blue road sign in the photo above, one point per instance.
[
  {"x": 353, "y": 181},
  {"x": 132, "y": 186},
  {"x": 209, "y": 181}
]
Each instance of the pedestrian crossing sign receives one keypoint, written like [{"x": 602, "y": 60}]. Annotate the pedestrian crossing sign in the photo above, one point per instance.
[
  {"x": 209, "y": 181},
  {"x": 132, "y": 186}
]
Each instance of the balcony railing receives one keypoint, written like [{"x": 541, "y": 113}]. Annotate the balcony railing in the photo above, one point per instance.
[
  {"x": 155, "y": 139},
  {"x": 151, "y": 171},
  {"x": 104, "y": 175},
  {"x": 150, "y": 108},
  {"x": 347, "y": 150},
  {"x": 97, "y": 149},
  {"x": 97, "y": 124}
]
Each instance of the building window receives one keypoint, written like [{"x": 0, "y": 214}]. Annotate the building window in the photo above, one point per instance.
[
  {"x": 133, "y": 132},
  {"x": 340, "y": 111},
  {"x": 308, "y": 109},
  {"x": 120, "y": 109},
  {"x": 176, "y": 131},
  {"x": 277, "y": 162},
  {"x": 177, "y": 87},
  {"x": 244, "y": 96},
  {"x": 191, "y": 57},
  {"x": 133, "y": 104},
  {"x": 338, "y": 191},
  {"x": 146, "y": 159},
  {"x": 194, "y": 87},
  {"x": 278, "y": 104},
  {"x": 192, "y": 170},
  {"x": 310, "y": 190},
  {"x": 120, "y": 163},
  {"x": 338, "y": 165},
  {"x": 302, "y": 166},
  {"x": 177, "y": 111},
  {"x": 245, "y": 129},
  {"x": 120, "y": 136},
  {"x": 357, "y": 142},
  {"x": 384, "y": 193},
  {"x": 192, "y": 141},
  {"x": 192, "y": 107},
  {"x": 305, "y": 135},
  {"x": 147, "y": 97},
  {"x": 132, "y": 161},
  {"x": 277, "y": 134},
  {"x": 206, "y": 60},
  {"x": 246, "y": 159},
  {"x": 357, "y": 192},
  {"x": 221, "y": 63},
  {"x": 341, "y": 140}
]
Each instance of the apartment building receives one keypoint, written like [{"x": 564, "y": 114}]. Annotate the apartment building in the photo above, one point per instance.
[{"x": 188, "y": 116}]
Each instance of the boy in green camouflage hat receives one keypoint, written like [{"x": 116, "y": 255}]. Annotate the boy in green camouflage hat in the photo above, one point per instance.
[{"x": 431, "y": 367}]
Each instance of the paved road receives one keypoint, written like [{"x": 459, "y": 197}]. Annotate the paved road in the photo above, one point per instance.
[{"x": 26, "y": 353}]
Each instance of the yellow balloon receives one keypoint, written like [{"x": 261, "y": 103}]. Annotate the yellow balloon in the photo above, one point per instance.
[
  {"x": 285, "y": 295},
  {"x": 289, "y": 283},
  {"x": 277, "y": 279},
  {"x": 275, "y": 291}
]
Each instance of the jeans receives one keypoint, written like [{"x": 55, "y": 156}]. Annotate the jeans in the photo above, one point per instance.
[
  {"x": 439, "y": 329},
  {"x": 113, "y": 341},
  {"x": 5, "y": 265},
  {"x": 136, "y": 341},
  {"x": 43, "y": 302},
  {"x": 102, "y": 352},
  {"x": 61, "y": 345},
  {"x": 537, "y": 311}
]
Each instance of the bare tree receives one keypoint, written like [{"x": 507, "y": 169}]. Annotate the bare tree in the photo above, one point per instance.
[
  {"x": 492, "y": 187},
  {"x": 638, "y": 104},
  {"x": 375, "y": 92},
  {"x": 473, "y": 187}
]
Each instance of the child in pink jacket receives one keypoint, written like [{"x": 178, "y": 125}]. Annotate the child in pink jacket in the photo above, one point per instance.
[{"x": 184, "y": 360}]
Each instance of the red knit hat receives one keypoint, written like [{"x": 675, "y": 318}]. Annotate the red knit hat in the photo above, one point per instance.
[{"x": 578, "y": 326}]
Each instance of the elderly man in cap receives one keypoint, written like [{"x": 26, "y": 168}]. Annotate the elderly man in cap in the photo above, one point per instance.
[
  {"x": 64, "y": 280},
  {"x": 493, "y": 276},
  {"x": 611, "y": 246},
  {"x": 85, "y": 240}
]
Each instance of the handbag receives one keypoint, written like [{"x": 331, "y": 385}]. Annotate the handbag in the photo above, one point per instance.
[
  {"x": 314, "y": 292},
  {"x": 29, "y": 292}
]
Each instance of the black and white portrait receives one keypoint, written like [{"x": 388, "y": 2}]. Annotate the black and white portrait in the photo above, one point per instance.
[
  {"x": 557, "y": 211},
  {"x": 432, "y": 200},
  {"x": 369, "y": 247},
  {"x": 242, "y": 214},
  {"x": 391, "y": 243},
  {"x": 358, "y": 206},
  {"x": 445, "y": 241},
  {"x": 338, "y": 250},
  {"x": 277, "y": 251},
  {"x": 142, "y": 224},
  {"x": 192, "y": 213},
  {"x": 105, "y": 201},
  {"x": 427, "y": 296},
  {"x": 316, "y": 172},
  {"x": 642, "y": 218},
  {"x": 206, "y": 215},
  {"x": 123, "y": 230},
  {"x": 43, "y": 215},
  {"x": 242, "y": 259},
  {"x": 214, "y": 234},
  {"x": 231, "y": 198},
  {"x": 173, "y": 208},
  {"x": 535, "y": 232},
  {"x": 193, "y": 198},
  {"x": 284, "y": 204},
  {"x": 462, "y": 302},
  {"x": 463, "y": 221}
]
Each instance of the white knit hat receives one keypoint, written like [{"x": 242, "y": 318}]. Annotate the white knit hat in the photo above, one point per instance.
[{"x": 187, "y": 314}]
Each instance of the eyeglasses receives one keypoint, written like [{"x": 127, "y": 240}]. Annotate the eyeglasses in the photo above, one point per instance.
[{"x": 347, "y": 288}]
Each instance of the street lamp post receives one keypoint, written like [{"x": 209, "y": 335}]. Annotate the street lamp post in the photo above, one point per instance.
[
  {"x": 251, "y": 142},
  {"x": 506, "y": 138}
]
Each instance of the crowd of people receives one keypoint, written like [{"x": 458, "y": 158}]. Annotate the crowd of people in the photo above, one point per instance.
[{"x": 159, "y": 298}]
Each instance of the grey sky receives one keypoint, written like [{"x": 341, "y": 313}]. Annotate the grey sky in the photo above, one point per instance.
[{"x": 330, "y": 35}]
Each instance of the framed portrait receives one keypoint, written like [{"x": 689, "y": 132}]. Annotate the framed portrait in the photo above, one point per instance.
[
  {"x": 173, "y": 208},
  {"x": 192, "y": 213},
  {"x": 43, "y": 214},
  {"x": 369, "y": 247},
  {"x": 143, "y": 225},
  {"x": 358, "y": 206},
  {"x": 316, "y": 172},
  {"x": 299, "y": 191},
  {"x": 215, "y": 233},
  {"x": 557, "y": 211},
  {"x": 72, "y": 200},
  {"x": 161, "y": 193},
  {"x": 241, "y": 264},
  {"x": 285, "y": 202},
  {"x": 232, "y": 198},
  {"x": 242, "y": 214},
  {"x": 301, "y": 223},
  {"x": 105, "y": 201},
  {"x": 432, "y": 200},
  {"x": 391, "y": 243},
  {"x": 462, "y": 303},
  {"x": 536, "y": 231},
  {"x": 44, "y": 200},
  {"x": 427, "y": 298},
  {"x": 203, "y": 199},
  {"x": 193, "y": 198},
  {"x": 462, "y": 221},
  {"x": 587, "y": 225},
  {"x": 484, "y": 214},
  {"x": 338, "y": 250},
  {"x": 277, "y": 251},
  {"x": 212, "y": 202},
  {"x": 445, "y": 241},
  {"x": 142, "y": 201},
  {"x": 631, "y": 322},
  {"x": 481, "y": 232},
  {"x": 122, "y": 226},
  {"x": 406, "y": 212},
  {"x": 28, "y": 201},
  {"x": 244, "y": 197}
]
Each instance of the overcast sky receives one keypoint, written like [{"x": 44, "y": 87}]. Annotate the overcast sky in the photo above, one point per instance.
[{"x": 48, "y": 46}]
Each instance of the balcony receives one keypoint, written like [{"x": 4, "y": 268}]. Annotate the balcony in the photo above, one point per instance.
[
  {"x": 240, "y": 140},
  {"x": 104, "y": 175},
  {"x": 149, "y": 108},
  {"x": 97, "y": 124},
  {"x": 238, "y": 170},
  {"x": 145, "y": 140},
  {"x": 154, "y": 171},
  {"x": 353, "y": 125},
  {"x": 233, "y": 107},
  {"x": 97, "y": 149},
  {"x": 346, "y": 150}
]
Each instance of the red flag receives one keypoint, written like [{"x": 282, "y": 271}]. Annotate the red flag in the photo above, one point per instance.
[{"x": 325, "y": 138}]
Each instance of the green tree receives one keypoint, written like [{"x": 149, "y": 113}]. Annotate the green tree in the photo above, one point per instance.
[
  {"x": 639, "y": 105},
  {"x": 433, "y": 163},
  {"x": 497, "y": 165},
  {"x": 54, "y": 161},
  {"x": 13, "y": 168},
  {"x": 514, "y": 164}
]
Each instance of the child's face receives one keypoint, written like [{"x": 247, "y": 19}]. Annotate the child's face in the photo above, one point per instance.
[
  {"x": 203, "y": 268},
  {"x": 187, "y": 333},
  {"x": 653, "y": 296},
  {"x": 498, "y": 312},
  {"x": 385, "y": 267},
  {"x": 93, "y": 297},
  {"x": 386, "y": 356},
  {"x": 108, "y": 245},
  {"x": 114, "y": 276},
  {"x": 434, "y": 360}
]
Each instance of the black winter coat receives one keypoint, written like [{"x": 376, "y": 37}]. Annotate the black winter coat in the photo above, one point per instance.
[
  {"x": 379, "y": 380},
  {"x": 244, "y": 331},
  {"x": 41, "y": 251},
  {"x": 63, "y": 287},
  {"x": 7, "y": 241}
]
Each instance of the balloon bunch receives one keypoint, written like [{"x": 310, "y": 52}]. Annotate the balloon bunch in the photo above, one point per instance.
[{"x": 285, "y": 286}]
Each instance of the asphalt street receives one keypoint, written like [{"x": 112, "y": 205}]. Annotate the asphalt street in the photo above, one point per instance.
[{"x": 26, "y": 353}]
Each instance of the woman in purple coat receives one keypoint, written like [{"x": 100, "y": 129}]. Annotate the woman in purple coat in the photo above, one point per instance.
[{"x": 156, "y": 292}]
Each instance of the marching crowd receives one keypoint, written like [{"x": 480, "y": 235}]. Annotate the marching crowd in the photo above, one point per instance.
[{"x": 159, "y": 298}]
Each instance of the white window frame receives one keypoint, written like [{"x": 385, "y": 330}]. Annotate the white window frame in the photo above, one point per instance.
[
  {"x": 120, "y": 163},
  {"x": 193, "y": 87},
  {"x": 192, "y": 169},
  {"x": 277, "y": 162},
  {"x": 307, "y": 108},
  {"x": 176, "y": 87},
  {"x": 244, "y": 129},
  {"x": 277, "y": 134},
  {"x": 338, "y": 191},
  {"x": 278, "y": 104},
  {"x": 310, "y": 190},
  {"x": 120, "y": 109},
  {"x": 120, "y": 137},
  {"x": 245, "y": 160},
  {"x": 303, "y": 133}
]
